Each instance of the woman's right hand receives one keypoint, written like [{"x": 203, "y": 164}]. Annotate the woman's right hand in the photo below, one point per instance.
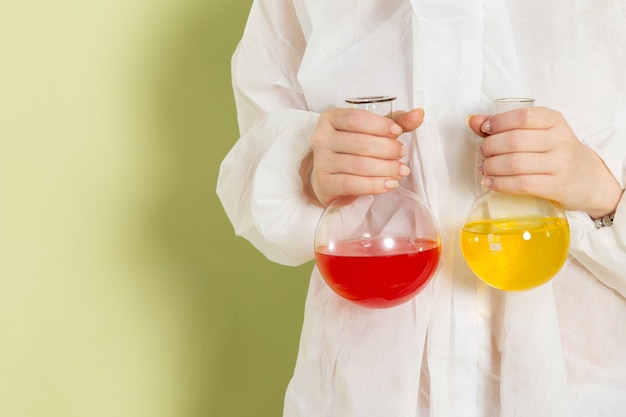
[{"x": 356, "y": 152}]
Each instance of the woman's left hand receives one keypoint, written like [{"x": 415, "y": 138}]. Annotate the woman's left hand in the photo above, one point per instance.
[{"x": 535, "y": 151}]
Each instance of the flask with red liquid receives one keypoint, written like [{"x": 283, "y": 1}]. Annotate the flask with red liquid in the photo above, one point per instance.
[{"x": 377, "y": 251}]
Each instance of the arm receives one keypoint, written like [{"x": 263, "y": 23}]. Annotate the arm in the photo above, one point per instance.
[
  {"x": 290, "y": 162},
  {"x": 258, "y": 182},
  {"x": 534, "y": 151}
]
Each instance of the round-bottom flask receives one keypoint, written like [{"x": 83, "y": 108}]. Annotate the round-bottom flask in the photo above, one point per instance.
[
  {"x": 377, "y": 251},
  {"x": 515, "y": 242}
]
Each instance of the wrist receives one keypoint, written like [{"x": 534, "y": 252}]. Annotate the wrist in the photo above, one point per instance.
[
  {"x": 602, "y": 211},
  {"x": 606, "y": 191},
  {"x": 608, "y": 203},
  {"x": 604, "y": 221},
  {"x": 306, "y": 170},
  {"x": 608, "y": 215}
]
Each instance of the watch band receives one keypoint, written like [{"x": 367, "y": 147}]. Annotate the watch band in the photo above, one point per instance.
[{"x": 604, "y": 221}]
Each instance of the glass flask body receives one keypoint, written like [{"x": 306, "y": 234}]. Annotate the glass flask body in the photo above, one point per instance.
[
  {"x": 377, "y": 251},
  {"x": 515, "y": 242}
]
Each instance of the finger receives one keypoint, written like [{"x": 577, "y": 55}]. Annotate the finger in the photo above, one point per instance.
[
  {"x": 363, "y": 166},
  {"x": 362, "y": 121},
  {"x": 367, "y": 145},
  {"x": 527, "y": 118},
  {"x": 514, "y": 164},
  {"x": 515, "y": 141},
  {"x": 540, "y": 185},
  {"x": 354, "y": 185},
  {"x": 409, "y": 121}
]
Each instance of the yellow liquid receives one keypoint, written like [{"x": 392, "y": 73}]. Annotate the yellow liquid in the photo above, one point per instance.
[{"x": 516, "y": 254}]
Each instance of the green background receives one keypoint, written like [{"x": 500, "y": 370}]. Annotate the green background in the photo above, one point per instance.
[{"x": 123, "y": 290}]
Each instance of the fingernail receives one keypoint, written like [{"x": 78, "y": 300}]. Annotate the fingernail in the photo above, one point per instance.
[
  {"x": 403, "y": 151},
  {"x": 487, "y": 182},
  {"x": 467, "y": 119},
  {"x": 404, "y": 170},
  {"x": 396, "y": 129},
  {"x": 480, "y": 168},
  {"x": 391, "y": 184},
  {"x": 486, "y": 127}
]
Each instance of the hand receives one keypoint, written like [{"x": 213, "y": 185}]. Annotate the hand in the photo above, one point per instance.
[
  {"x": 535, "y": 151},
  {"x": 355, "y": 152}
]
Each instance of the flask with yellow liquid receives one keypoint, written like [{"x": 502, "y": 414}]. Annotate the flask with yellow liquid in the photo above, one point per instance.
[{"x": 515, "y": 242}]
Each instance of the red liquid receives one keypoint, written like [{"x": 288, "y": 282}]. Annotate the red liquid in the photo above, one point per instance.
[{"x": 378, "y": 273}]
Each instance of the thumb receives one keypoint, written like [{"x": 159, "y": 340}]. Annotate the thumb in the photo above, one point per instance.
[
  {"x": 408, "y": 120},
  {"x": 475, "y": 123}
]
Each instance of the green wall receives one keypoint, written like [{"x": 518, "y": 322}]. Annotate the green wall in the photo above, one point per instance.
[{"x": 123, "y": 290}]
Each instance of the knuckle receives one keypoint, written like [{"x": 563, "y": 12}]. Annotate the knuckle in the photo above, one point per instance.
[
  {"x": 349, "y": 186},
  {"x": 561, "y": 185},
  {"x": 324, "y": 118},
  {"x": 316, "y": 141},
  {"x": 562, "y": 166},
  {"x": 558, "y": 115},
  {"x": 325, "y": 121},
  {"x": 516, "y": 163},
  {"x": 362, "y": 145},
  {"x": 525, "y": 184},
  {"x": 525, "y": 117},
  {"x": 516, "y": 141},
  {"x": 320, "y": 136},
  {"x": 351, "y": 119},
  {"x": 356, "y": 164}
]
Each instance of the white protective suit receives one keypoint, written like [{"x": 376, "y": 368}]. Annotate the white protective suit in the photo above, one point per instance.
[{"x": 459, "y": 348}]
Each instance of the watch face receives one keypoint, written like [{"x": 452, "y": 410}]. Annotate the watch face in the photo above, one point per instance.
[{"x": 604, "y": 221}]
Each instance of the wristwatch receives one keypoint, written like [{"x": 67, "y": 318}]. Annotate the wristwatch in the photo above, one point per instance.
[{"x": 604, "y": 221}]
